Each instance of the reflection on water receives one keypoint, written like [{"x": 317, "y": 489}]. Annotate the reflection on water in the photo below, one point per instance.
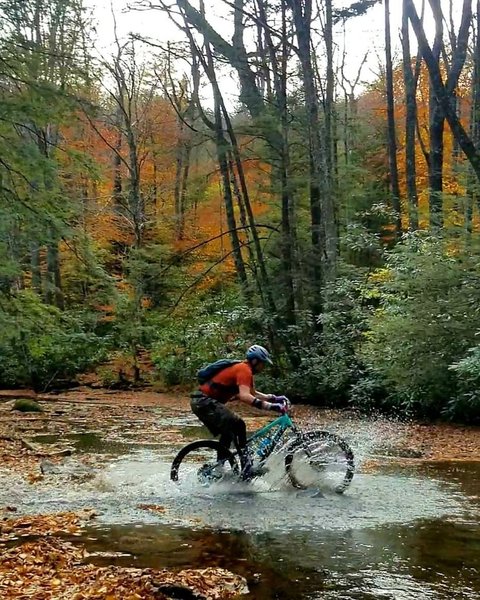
[
  {"x": 400, "y": 533},
  {"x": 430, "y": 559}
]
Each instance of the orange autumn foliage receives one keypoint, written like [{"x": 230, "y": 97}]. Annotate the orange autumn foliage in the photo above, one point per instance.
[
  {"x": 373, "y": 106},
  {"x": 158, "y": 138}
]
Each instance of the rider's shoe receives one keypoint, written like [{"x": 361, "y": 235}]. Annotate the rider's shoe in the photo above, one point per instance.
[
  {"x": 210, "y": 473},
  {"x": 250, "y": 471}
]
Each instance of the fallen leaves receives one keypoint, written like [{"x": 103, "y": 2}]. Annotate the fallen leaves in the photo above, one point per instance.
[
  {"x": 67, "y": 523},
  {"x": 212, "y": 583},
  {"x": 50, "y": 568},
  {"x": 53, "y": 569},
  {"x": 152, "y": 507}
]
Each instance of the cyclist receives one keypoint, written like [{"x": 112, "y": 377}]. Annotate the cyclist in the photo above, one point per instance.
[{"x": 235, "y": 383}]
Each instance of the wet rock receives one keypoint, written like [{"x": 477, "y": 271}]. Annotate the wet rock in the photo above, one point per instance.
[
  {"x": 177, "y": 592},
  {"x": 410, "y": 453},
  {"x": 27, "y": 405},
  {"x": 49, "y": 468},
  {"x": 74, "y": 471}
]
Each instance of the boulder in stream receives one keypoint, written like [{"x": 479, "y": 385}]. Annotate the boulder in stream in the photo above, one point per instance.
[{"x": 27, "y": 405}]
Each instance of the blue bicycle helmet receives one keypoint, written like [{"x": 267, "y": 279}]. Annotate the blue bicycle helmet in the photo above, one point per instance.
[{"x": 260, "y": 353}]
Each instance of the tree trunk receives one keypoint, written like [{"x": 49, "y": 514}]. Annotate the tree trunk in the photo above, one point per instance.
[
  {"x": 184, "y": 186},
  {"x": 117, "y": 174},
  {"x": 237, "y": 56},
  {"x": 437, "y": 126},
  {"x": 244, "y": 198},
  {"x": 288, "y": 209},
  {"x": 222, "y": 147},
  {"x": 392, "y": 136},
  {"x": 265, "y": 282},
  {"x": 410, "y": 123},
  {"x": 35, "y": 267},
  {"x": 179, "y": 167},
  {"x": 329, "y": 97},
  {"x": 136, "y": 203},
  {"x": 443, "y": 91},
  {"x": 322, "y": 210},
  {"x": 281, "y": 161},
  {"x": 473, "y": 188},
  {"x": 243, "y": 218},
  {"x": 222, "y": 156},
  {"x": 53, "y": 291}
]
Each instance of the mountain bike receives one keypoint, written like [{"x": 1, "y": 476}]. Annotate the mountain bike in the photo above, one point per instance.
[{"x": 309, "y": 457}]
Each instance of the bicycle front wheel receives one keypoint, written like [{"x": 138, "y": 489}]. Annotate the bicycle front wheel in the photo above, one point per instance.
[
  {"x": 198, "y": 463},
  {"x": 320, "y": 458}
]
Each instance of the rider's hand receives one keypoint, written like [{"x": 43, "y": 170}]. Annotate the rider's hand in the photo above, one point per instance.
[
  {"x": 280, "y": 400},
  {"x": 281, "y": 404},
  {"x": 278, "y": 407}
]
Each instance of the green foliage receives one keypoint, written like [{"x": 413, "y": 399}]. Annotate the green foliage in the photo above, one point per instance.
[
  {"x": 427, "y": 320},
  {"x": 326, "y": 345},
  {"x": 212, "y": 329},
  {"x": 355, "y": 9},
  {"x": 41, "y": 345},
  {"x": 465, "y": 405}
]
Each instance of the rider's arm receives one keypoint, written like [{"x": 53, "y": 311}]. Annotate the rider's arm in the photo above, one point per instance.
[
  {"x": 258, "y": 401},
  {"x": 262, "y": 396}
]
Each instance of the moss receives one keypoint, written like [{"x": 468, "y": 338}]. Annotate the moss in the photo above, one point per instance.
[{"x": 27, "y": 405}]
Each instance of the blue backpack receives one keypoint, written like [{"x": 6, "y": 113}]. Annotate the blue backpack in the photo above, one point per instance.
[{"x": 205, "y": 374}]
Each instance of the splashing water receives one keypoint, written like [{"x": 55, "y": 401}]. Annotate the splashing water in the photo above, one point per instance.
[{"x": 386, "y": 538}]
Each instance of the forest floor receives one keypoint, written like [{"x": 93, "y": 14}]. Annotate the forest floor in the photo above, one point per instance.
[{"x": 38, "y": 563}]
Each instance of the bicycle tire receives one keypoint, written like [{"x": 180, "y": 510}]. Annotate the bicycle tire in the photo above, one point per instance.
[
  {"x": 326, "y": 436},
  {"x": 197, "y": 445}
]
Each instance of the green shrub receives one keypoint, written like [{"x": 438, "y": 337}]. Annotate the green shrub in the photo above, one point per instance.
[
  {"x": 41, "y": 345},
  {"x": 427, "y": 320},
  {"x": 326, "y": 346},
  {"x": 465, "y": 405},
  {"x": 212, "y": 329}
]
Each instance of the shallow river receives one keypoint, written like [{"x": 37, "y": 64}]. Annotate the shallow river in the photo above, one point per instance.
[{"x": 402, "y": 531}]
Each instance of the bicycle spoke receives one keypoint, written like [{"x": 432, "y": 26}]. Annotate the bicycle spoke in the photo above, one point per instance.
[
  {"x": 321, "y": 459},
  {"x": 199, "y": 464}
]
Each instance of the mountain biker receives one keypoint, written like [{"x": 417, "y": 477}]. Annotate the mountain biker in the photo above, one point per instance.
[{"x": 235, "y": 383}]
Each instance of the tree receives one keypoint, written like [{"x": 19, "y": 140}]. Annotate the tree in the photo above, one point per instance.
[
  {"x": 410, "y": 80},
  {"x": 444, "y": 90},
  {"x": 473, "y": 186},
  {"x": 44, "y": 57},
  {"x": 392, "y": 136}
]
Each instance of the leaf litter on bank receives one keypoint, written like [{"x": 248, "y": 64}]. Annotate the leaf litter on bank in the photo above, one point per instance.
[
  {"x": 50, "y": 568},
  {"x": 53, "y": 569},
  {"x": 67, "y": 523}
]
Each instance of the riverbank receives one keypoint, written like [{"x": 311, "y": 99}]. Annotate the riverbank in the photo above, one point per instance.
[
  {"x": 40, "y": 563},
  {"x": 77, "y": 431},
  {"x": 38, "y": 559}
]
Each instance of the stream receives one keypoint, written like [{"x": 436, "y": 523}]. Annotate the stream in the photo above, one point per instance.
[{"x": 404, "y": 530}]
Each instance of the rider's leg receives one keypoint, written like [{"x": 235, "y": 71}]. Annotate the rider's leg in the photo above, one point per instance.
[
  {"x": 225, "y": 439},
  {"x": 222, "y": 421},
  {"x": 232, "y": 428},
  {"x": 219, "y": 420}
]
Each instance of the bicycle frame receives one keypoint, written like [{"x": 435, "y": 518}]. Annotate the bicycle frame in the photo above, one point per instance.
[{"x": 284, "y": 422}]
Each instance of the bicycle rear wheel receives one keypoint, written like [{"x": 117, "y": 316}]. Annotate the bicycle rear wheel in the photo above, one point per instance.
[
  {"x": 320, "y": 458},
  {"x": 197, "y": 463}
]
